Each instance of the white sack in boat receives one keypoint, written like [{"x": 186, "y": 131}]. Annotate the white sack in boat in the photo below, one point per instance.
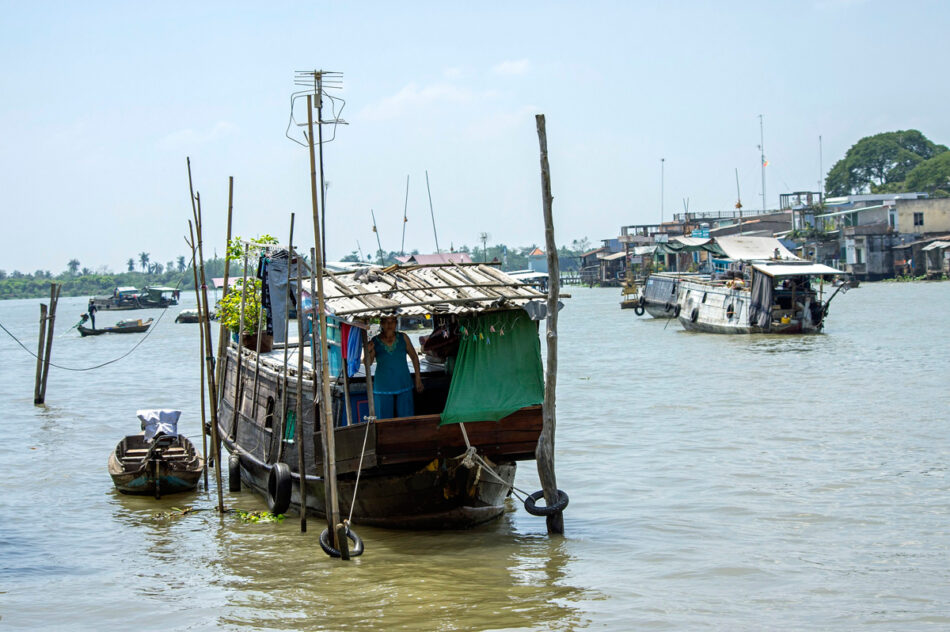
[{"x": 155, "y": 421}]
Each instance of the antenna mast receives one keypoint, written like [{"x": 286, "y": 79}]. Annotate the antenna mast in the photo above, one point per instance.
[
  {"x": 402, "y": 247},
  {"x": 432, "y": 212},
  {"x": 762, "y": 157}
]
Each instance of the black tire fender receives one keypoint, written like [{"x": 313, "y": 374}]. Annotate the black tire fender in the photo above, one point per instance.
[
  {"x": 532, "y": 508},
  {"x": 234, "y": 473},
  {"x": 278, "y": 488},
  {"x": 694, "y": 315},
  {"x": 676, "y": 311},
  {"x": 638, "y": 310},
  {"x": 355, "y": 551}
]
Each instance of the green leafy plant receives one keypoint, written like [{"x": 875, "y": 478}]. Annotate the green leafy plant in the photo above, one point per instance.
[
  {"x": 229, "y": 307},
  {"x": 259, "y": 516},
  {"x": 254, "y": 246}
]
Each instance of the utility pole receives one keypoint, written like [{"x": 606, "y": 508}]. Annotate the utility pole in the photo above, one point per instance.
[
  {"x": 662, "y": 165},
  {"x": 762, "y": 162}
]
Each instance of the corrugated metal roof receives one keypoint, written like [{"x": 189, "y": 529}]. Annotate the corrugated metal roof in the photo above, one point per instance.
[{"x": 417, "y": 290}]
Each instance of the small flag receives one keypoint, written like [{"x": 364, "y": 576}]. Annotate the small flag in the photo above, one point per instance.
[{"x": 765, "y": 163}]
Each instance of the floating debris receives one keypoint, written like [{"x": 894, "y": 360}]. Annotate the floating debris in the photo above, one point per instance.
[{"x": 259, "y": 516}]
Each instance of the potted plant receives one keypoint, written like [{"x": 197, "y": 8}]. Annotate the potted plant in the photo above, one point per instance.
[{"x": 229, "y": 313}]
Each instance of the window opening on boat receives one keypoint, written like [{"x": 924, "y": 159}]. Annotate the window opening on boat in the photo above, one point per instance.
[{"x": 269, "y": 413}]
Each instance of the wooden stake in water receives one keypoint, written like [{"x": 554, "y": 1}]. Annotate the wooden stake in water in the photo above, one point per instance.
[
  {"x": 37, "y": 399},
  {"x": 544, "y": 453},
  {"x": 209, "y": 358},
  {"x": 201, "y": 329},
  {"x": 301, "y": 465},
  {"x": 286, "y": 326}
]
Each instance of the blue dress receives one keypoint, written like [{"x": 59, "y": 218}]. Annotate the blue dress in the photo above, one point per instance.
[{"x": 392, "y": 383}]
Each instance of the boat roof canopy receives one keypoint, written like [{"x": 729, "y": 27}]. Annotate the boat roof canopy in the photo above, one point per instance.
[
  {"x": 748, "y": 248},
  {"x": 791, "y": 268},
  {"x": 453, "y": 288},
  {"x": 160, "y": 289}
]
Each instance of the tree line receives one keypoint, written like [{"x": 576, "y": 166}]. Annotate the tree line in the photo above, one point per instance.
[
  {"x": 892, "y": 162},
  {"x": 77, "y": 280}
]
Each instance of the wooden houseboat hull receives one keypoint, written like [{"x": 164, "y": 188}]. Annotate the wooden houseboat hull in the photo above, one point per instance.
[
  {"x": 719, "y": 309},
  {"x": 132, "y": 329},
  {"x": 412, "y": 475}
]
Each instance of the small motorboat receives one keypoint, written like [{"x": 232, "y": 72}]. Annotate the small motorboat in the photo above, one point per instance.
[
  {"x": 133, "y": 326},
  {"x": 158, "y": 460},
  {"x": 190, "y": 316}
]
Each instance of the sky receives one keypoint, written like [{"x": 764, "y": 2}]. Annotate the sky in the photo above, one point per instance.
[{"x": 650, "y": 107}]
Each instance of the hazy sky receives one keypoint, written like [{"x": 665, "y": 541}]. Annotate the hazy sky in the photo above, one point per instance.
[{"x": 101, "y": 103}]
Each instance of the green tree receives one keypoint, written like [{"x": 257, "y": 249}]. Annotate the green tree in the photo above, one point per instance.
[
  {"x": 73, "y": 266},
  {"x": 880, "y": 163},
  {"x": 131, "y": 264},
  {"x": 181, "y": 263},
  {"x": 931, "y": 176},
  {"x": 86, "y": 272},
  {"x": 143, "y": 259}
]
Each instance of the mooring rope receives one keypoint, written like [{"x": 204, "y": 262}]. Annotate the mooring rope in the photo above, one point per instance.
[
  {"x": 98, "y": 366},
  {"x": 359, "y": 469},
  {"x": 471, "y": 454}
]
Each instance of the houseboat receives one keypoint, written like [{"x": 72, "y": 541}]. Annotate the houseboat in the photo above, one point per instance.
[
  {"x": 123, "y": 298},
  {"x": 765, "y": 289},
  {"x": 449, "y": 464}
]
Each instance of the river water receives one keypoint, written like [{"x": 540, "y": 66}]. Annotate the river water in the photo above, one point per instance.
[{"x": 716, "y": 482}]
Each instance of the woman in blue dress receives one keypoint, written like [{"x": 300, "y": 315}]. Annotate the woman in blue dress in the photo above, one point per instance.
[{"x": 392, "y": 383}]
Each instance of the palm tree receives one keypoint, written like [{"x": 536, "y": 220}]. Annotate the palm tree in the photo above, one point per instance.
[
  {"x": 73, "y": 266},
  {"x": 181, "y": 263},
  {"x": 143, "y": 258},
  {"x": 131, "y": 263}
]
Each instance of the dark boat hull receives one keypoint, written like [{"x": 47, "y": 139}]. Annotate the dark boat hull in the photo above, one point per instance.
[
  {"x": 411, "y": 471},
  {"x": 136, "y": 329},
  {"x": 171, "y": 470}
]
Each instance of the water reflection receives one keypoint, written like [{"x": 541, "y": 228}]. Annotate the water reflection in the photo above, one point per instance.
[{"x": 486, "y": 578}]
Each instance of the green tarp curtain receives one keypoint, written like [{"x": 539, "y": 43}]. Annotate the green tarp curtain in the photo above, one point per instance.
[{"x": 498, "y": 368}]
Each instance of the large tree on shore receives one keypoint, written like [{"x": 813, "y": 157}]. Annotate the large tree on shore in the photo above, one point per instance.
[
  {"x": 131, "y": 264},
  {"x": 73, "y": 266},
  {"x": 143, "y": 259},
  {"x": 880, "y": 163}
]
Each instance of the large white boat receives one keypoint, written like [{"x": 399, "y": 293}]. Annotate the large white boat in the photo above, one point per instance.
[{"x": 766, "y": 289}]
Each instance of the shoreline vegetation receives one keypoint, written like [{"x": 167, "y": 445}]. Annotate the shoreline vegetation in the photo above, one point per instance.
[{"x": 84, "y": 282}]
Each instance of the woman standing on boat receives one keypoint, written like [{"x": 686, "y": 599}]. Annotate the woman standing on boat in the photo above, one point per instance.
[{"x": 392, "y": 383}]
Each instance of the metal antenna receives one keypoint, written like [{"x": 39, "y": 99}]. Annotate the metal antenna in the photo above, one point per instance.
[
  {"x": 762, "y": 157},
  {"x": 405, "y": 207},
  {"x": 432, "y": 213},
  {"x": 378, "y": 244},
  {"x": 484, "y": 237}
]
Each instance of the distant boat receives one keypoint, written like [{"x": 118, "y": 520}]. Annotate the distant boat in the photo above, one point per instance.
[
  {"x": 156, "y": 461},
  {"x": 190, "y": 316},
  {"x": 159, "y": 297},
  {"x": 122, "y": 327},
  {"x": 123, "y": 298}
]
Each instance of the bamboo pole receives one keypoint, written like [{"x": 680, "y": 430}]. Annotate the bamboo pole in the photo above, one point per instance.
[
  {"x": 54, "y": 291},
  {"x": 544, "y": 453},
  {"x": 37, "y": 399},
  {"x": 201, "y": 329},
  {"x": 286, "y": 326},
  {"x": 257, "y": 358},
  {"x": 239, "y": 376},
  {"x": 301, "y": 465},
  {"x": 329, "y": 443},
  {"x": 209, "y": 358}
]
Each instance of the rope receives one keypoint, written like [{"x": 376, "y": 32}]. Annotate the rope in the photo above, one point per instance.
[
  {"x": 471, "y": 456},
  {"x": 359, "y": 469},
  {"x": 98, "y": 366}
]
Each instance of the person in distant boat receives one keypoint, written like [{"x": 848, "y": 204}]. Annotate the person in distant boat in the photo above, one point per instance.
[
  {"x": 92, "y": 313},
  {"x": 392, "y": 383}
]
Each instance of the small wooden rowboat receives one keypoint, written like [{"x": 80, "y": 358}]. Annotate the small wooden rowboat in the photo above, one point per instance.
[
  {"x": 122, "y": 327},
  {"x": 165, "y": 465}
]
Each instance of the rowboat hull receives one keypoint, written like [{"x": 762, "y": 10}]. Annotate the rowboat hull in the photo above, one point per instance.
[{"x": 137, "y": 469}]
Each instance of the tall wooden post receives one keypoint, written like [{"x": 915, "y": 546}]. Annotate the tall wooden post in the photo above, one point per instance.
[
  {"x": 286, "y": 326},
  {"x": 204, "y": 343},
  {"x": 301, "y": 461},
  {"x": 40, "y": 355},
  {"x": 544, "y": 453},
  {"x": 209, "y": 357},
  {"x": 329, "y": 443}
]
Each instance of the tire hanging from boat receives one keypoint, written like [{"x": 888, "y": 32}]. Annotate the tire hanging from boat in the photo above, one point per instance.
[
  {"x": 234, "y": 473},
  {"x": 694, "y": 315},
  {"x": 356, "y": 551},
  {"x": 279, "y": 487},
  {"x": 676, "y": 311},
  {"x": 530, "y": 504},
  {"x": 638, "y": 309}
]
